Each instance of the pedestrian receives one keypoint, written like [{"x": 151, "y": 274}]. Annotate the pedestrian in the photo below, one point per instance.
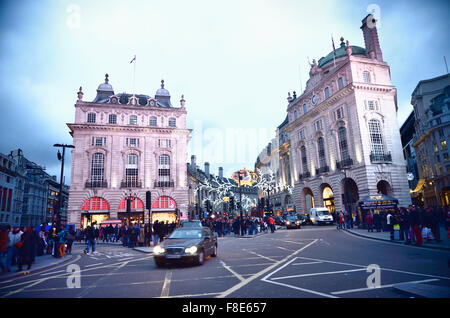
[
  {"x": 148, "y": 234},
  {"x": 429, "y": 222},
  {"x": 415, "y": 222},
  {"x": 377, "y": 221},
  {"x": 41, "y": 242},
  {"x": 70, "y": 239},
  {"x": 369, "y": 222},
  {"x": 90, "y": 238},
  {"x": 389, "y": 224},
  {"x": 4, "y": 231},
  {"x": 156, "y": 233},
  {"x": 341, "y": 220},
  {"x": 404, "y": 226},
  {"x": 271, "y": 222},
  {"x": 14, "y": 238},
  {"x": 26, "y": 249},
  {"x": 62, "y": 239},
  {"x": 141, "y": 239}
]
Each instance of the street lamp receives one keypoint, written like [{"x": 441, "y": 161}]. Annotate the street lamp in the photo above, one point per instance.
[
  {"x": 128, "y": 197},
  {"x": 56, "y": 217}
]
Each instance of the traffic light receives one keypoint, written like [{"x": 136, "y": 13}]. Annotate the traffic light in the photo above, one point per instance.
[{"x": 148, "y": 200}]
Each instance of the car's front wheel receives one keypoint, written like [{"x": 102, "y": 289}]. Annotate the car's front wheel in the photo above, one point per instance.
[
  {"x": 200, "y": 258},
  {"x": 159, "y": 263},
  {"x": 214, "y": 252}
]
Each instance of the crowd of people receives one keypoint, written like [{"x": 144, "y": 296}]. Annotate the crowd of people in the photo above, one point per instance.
[
  {"x": 414, "y": 224},
  {"x": 20, "y": 246},
  {"x": 249, "y": 225}
]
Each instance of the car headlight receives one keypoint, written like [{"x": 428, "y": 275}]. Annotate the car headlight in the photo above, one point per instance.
[
  {"x": 288, "y": 223},
  {"x": 158, "y": 249},
  {"x": 298, "y": 222},
  {"x": 191, "y": 250}
]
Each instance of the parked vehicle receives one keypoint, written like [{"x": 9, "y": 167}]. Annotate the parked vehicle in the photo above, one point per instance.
[
  {"x": 320, "y": 215},
  {"x": 292, "y": 222},
  {"x": 186, "y": 244}
]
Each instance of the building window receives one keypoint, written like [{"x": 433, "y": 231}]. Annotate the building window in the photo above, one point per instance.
[
  {"x": 132, "y": 142},
  {"x": 133, "y": 120},
  {"x": 321, "y": 149},
  {"x": 164, "y": 168},
  {"x": 112, "y": 119},
  {"x": 327, "y": 92},
  {"x": 153, "y": 121},
  {"x": 295, "y": 115},
  {"x": 302, "y": 134},
  {"x": 172, "y": 122},
  {"x": 97, "y": 167},
  {"x": 366, "y": 77},
  {"x": 304, "y": 159},
  {"x": 444, "y": 145},
  {"x": 376, "y": 137},
  {"x": 341, "y": 83},
  {"x": 340, "y": 113},
  {"x": 91, "y": 118},
  {"x": 304, "y": 109},
  {"x": 445, "y": 155},
  {"x": 164, "y": 143},
  {"x": 131, "y": 170},
  {"x": 318, "y": 125},
  {"x": 343, "y": 146},
  {"x": 436, "y": 149}
]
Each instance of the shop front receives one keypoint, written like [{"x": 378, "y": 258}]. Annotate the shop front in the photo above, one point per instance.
[
  {"x": 94, "y": 211},
  {"x": 164, "y": 209},
  {"x": 134, "y": 214}
]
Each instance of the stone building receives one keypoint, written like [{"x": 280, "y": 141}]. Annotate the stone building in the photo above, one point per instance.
[
  {"x": 344, "y": 135},
  {"x": 126, "y": 145},
  {"x": 431, "y": 101}
]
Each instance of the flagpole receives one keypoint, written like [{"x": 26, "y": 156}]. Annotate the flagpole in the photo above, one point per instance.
[
  {"x": 134, "y": 76},
  {"x": 334, "y": 51}
]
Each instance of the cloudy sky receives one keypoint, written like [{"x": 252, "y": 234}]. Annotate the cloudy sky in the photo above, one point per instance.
[{"x": 234, "y": 61}]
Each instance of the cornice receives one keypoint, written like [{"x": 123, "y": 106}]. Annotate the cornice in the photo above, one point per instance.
[
  {"x": 131, "y": 107},
  {"x": 132, "y": 128}
]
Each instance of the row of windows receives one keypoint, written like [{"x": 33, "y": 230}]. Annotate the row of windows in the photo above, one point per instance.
[
  {"x": 133, "y": 120},
  {"x": 130, "y": 142}
]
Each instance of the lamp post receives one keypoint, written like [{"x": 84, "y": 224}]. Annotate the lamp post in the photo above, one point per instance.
[
  {"x": 128, "y": 197},
  {"x": 56, "y": 217}
]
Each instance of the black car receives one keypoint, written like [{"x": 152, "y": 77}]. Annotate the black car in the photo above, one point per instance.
[
  {"x": 279, "y": 220},
  {"x": 304, "y": 219},
  {"x": 292, "y": 222},
  {"x": 193, "y": 223},
  {"x": 186, "y": 245}
]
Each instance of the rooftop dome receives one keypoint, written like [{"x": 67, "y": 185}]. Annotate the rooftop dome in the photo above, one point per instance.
[
  {"x": 104, "y": 91},
  {"x": 162, "y": 91},
  {"x": 163, "y": 96},
  {"x": 340, "y": 52}
]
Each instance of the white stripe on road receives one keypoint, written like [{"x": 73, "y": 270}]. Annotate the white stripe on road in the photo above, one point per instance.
[
  {"x": 259, "y": 255},
  {"x": 324, "y": 273},
  {"x": 93, "y": 265},
  {"x": 307, "y": 263},
  {"x": 382, "y": 286},
  {"x": 286, "y": 249},
  {"x": 61, "y": 271},
  {"x": 232, "y": 271},
  {"x": 165, "y": 289}
]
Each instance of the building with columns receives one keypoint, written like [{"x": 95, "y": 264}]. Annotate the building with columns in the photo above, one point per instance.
[
  {"x": 344, "y": 136},
  {"x": 126, "y": 145}
]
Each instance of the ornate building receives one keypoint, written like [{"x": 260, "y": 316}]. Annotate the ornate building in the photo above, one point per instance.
[
  {"x": 126, "y": 145},
  {"x": 345, "y": 140}
]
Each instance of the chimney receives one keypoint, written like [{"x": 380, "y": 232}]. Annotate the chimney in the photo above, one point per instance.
[
  {"x": 371, "y": 41},
  {"x": 220, "y": 172},
  {"x": 207, "y": 169},
  {"x": 193, "y": 163}
]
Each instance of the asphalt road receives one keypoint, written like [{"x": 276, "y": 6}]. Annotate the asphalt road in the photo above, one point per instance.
[{"x": 309, "y": 262}]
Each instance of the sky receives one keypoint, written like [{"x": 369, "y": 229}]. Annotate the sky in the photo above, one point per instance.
[{"x": 234, "y": 61}]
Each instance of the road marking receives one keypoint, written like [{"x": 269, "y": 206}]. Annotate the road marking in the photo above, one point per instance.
[
  {"x": 307, "y": 263},
  {"x": 318, "y": 274},
  {"x": 232, "y": 271},
  {"x": 165, "y": 289},
  {"x": 51, "y": 273},
  {"x": 125, "y": 259},
  {"x": 93, "y": 265},
  {"x": 255, "y": 276},
  {"x": 259, "y": 255},
  {"x": 382, "y": 286},
  {"x": 286, "y": 249},
  {"x": 194, "y": 295}
]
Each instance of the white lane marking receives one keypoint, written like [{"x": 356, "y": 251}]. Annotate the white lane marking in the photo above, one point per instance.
[
  {"x": 125, "y": 259},
  {"x": 259, "y": 255},
  {"x": 382, "y": 286},
  {"x": 61, "y": 271},
  {"x": 228, "y": 268},
  {"x": 93, "y": 265},
  {"x": 307, "y": 263},
  {"x": 165, "y": 289},
  {"x": 253, "y": 277},
  {"x": 319, "y": 274}
]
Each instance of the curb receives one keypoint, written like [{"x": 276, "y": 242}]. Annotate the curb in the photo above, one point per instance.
[
  {"x": 398, "y": 242},
  {"x": 37, "y": 270}
]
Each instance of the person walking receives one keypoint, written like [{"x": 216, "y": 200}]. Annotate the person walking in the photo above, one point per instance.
[
  {"x": 429, "y": 221},
  {"x": 70, "y": 239},
  {"x": 377, "y": 221},
  {"x": 27, "y": 249},
  {"x": 271, "y": 222},
  {"x": 4, "y": 231},
  {"x": 390, "y": 225},
  {"x": 148, "y": 234},
  {"x": 62, "y": 238},
  {"x": 369, "y": 222},
  {"x": 404, "y": 226},
  {"x": 415, "y": 222},
  {"x": 155, "y": 233},
  {"x": 14, "y": 238},
  {"x": 90, "y": 239}
]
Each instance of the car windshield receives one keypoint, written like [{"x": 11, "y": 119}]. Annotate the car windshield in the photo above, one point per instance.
[
  {"x": 186, "y": 234},
  {"x": 292, "y": 218},
  {"x": 326, "y": 212},
  {"x": 191, "y": 224}
]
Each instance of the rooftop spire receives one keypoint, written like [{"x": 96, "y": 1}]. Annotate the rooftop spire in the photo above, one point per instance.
[{"x": 106, "y": 78}]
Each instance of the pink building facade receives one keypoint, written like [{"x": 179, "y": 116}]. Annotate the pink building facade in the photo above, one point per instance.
[
  {"x": 345, "y": 139},
  {"x": 125, "y": 146}
]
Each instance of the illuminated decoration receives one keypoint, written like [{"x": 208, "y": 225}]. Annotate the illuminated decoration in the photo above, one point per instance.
[
  {"x": 164, "y": 203},
  {"x": 95, "y": 204},
  {"x": 226, "y": 199},
  {"x": 248, "y": 177},
  {"x": 136, "y": 204}
]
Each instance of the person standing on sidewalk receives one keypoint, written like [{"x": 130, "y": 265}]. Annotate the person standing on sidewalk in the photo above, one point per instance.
[
  {"x": 429, "y": 221},
  {"x": 415, "y": 221},
  {"x": 14, "y": 237},
  {"x": 28, "y": 248},
  {"x": 62, "y": 237},
  {"x": 271, "y": 222},
  {"x": 404, "y": 226},
  {"x": 70, "y": 239},
  {"x": 369, "y": 221},
  {"x": 377, "y": 221},
  {"x": 155, "y": 233}
]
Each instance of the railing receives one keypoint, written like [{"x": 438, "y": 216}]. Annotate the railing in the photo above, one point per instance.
[
  {"x": 304, "y": 175},
  {"x": 131, "y": 184},
  {"x": 164, "y": 184},
  {"x": 380, "y": 157},
  {"x": 344, "y": 163},
  {"x": 322, "y": 170},
  {"x": 96, "y": 184}
]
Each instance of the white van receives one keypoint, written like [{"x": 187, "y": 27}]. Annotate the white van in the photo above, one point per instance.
[{"x": 320, "y": 216}]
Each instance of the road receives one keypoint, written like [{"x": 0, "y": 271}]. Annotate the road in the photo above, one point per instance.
[{"x": 309, "y": 262}]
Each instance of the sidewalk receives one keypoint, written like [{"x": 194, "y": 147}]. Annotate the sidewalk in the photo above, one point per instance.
[
  {"x": 41, "y": 263},
  {"x": 385, "y": 236}
]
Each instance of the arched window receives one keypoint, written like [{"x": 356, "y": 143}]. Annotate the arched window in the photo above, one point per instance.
[
  {"x": 97, "y": 169},
  {"x": 131, "y": 171},
  {"x": 153, "y": 121},
  {"x": 304, "y": 159},
  {"x": 172, "y": 122},
  {"x": 133, "y": 120},
  {"x": 321, "y": 151},
  {"x": 376, "y": 138},
  {"x": 343, "y": 146},
  {"x": 164, "y": 170},
  {"x": 95, "y": 203}
]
